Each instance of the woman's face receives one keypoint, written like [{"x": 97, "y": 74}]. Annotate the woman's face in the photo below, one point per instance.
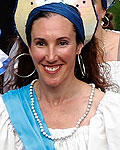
[
  {"x": 53, "y": 49},
  {"x": 99, "y": 9}
]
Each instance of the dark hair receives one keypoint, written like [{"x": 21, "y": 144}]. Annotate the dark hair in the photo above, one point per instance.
[
  {"x": 89, "y": 55},
  {"x": 96, "y": 72}
]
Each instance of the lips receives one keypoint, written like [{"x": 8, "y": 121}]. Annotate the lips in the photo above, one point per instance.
[{"x": 52, "y": 69}]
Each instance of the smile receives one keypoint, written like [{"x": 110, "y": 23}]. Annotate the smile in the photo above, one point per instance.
[{"x": 52, "y": 69}]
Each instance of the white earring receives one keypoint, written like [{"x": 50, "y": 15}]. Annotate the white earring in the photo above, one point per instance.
[
  {"x": 105, "y": 24},
  {"x": 82, "y": 66},
  {"x": 17, "y": 63}
]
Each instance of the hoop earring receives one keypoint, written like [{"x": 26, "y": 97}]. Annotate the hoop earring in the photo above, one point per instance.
[
  {"x": 82, "y": 66},
  {"x": 16, "y": 66},
  {"x": 104, "y": 25}
]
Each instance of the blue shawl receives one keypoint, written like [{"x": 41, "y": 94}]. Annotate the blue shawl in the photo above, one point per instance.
[{"x": 18, "y": 104}]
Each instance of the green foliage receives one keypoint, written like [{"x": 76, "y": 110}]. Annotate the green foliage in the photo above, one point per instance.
[{"x": 115, "y": 10}]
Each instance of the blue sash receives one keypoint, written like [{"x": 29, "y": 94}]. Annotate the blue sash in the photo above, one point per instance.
[{"x": 18, "y": 104}]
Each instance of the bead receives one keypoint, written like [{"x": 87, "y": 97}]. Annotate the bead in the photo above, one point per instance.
[
  {"x": 33, "y": 111},
  {"x": 88, "y": 110},
  {"x": 42, "y": 130},
  {"x": 49, "y": 136},
  {"x": 40, "y": 123},
  {"x": 77, "y": 126},
  {"x": 44, "y": 133},
  {"x": 78, "y": 123},
  {"x": 91, "y": 97},
  {"x": 32, "y": 104},
  {"x": 89, "y": 106},
  {"x": 52, "y": 138},
  {"x": 32, "y": 99},
  {"x": 30, "y": 89},
  {"x": 41, "y": 127},
  {"x": 84, "y": 115},
  {"x": 38, "y": 120},
  {"x": 89, "y": 103},
  {"x": 36, "y": 117},
  {"x": 32, "y": 107},
  {"x": 80, "y": 120},
  {"x": 30, "y": 92}
]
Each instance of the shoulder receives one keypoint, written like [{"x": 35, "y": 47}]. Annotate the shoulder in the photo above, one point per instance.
[
  {"x": 12, "y": 93},
  {"x": 11, "y": 139},
  {"x": 108, "y": 110},
  {"x": 111, "y": 96},
  {"x": 116, "y": 32},
  {"x": 110, "y": 103},
  {"x": 105, "y": 125},
  {"x": 4, "y": 116},
  {"x": 113, "y": 33}
]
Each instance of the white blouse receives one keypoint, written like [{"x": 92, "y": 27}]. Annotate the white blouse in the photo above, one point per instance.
[
  {"x": 103, "y": 132},
  {"x": 115, "y": 71}
]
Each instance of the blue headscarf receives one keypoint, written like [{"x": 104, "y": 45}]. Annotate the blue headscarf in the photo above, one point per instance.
[
  {"x": 62, "y": 9},
  {"x": 104, "y": 2},
  {"x": 107, "y": 3}
]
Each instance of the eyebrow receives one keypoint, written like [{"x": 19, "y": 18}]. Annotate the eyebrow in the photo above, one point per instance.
[
  {"x": 42, "y": 39},
  {"x": 64, "y": 37}
]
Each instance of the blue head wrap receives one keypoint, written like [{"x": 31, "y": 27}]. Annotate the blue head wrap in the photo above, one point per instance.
[
  {"x": 104, "y": 2},
  {"x": 62, "y": 9},
  {"x": 107, "y": 3}
]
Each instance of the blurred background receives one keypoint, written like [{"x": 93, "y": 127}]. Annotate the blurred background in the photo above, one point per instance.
[
  {"x": 115, "y": 10},
  {"x": 6, "y": 22},
  {"x": 7, "y": 29}
]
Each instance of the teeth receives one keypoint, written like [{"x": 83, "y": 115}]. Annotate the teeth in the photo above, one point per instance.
[{"x": 51, "y": 69}]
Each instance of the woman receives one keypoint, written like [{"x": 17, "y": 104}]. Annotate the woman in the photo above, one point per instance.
[
  {"x": 57, "y": 111},
  {"x": 107, "y": 42}
]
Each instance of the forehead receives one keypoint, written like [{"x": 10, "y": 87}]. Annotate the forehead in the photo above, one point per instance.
[
  {"x": 53, "y": 28},
  {"x": 53, "y": 22},
  {"x": 97, "y": 1}
]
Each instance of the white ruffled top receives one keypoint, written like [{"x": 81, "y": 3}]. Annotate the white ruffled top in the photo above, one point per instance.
[
  {"x": 115, "y": 71},
  {"x": 103, "y": 132}
]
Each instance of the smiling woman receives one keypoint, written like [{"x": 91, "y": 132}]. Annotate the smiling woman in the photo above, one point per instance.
[
  {"x": 56, "y": 110},
  {"x": 54, "y": 49}
]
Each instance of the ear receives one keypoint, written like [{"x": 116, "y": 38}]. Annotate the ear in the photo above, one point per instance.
[
  {"x": 103, "y": 13},
  {"x": 29, "y": 48},
  {"x": 79, "y": 48}
]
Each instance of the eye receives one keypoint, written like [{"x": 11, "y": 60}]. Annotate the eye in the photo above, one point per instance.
[
  {"x": 40, "y": 43},
  {"x": 63, "y": 43}
]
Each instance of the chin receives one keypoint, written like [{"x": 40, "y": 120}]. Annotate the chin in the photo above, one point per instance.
[{"x": 53, "y": 83}]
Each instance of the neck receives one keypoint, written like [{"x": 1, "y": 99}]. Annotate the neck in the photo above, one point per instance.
[
  {"x": 99, "y": 33},
  {"x": 56, "y": 95},
  {"x": 101, "y": 39}
]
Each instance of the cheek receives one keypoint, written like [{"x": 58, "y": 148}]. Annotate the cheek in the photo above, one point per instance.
[
  {"x": 36, "y": 55},
  {"x": 69, "y": 56},
  {"x": 100, "y": 12},
  {"x": 97, "y": 8}
]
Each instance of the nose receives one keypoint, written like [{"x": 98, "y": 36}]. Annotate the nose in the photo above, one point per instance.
[{"x": 51, "y": 54}]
